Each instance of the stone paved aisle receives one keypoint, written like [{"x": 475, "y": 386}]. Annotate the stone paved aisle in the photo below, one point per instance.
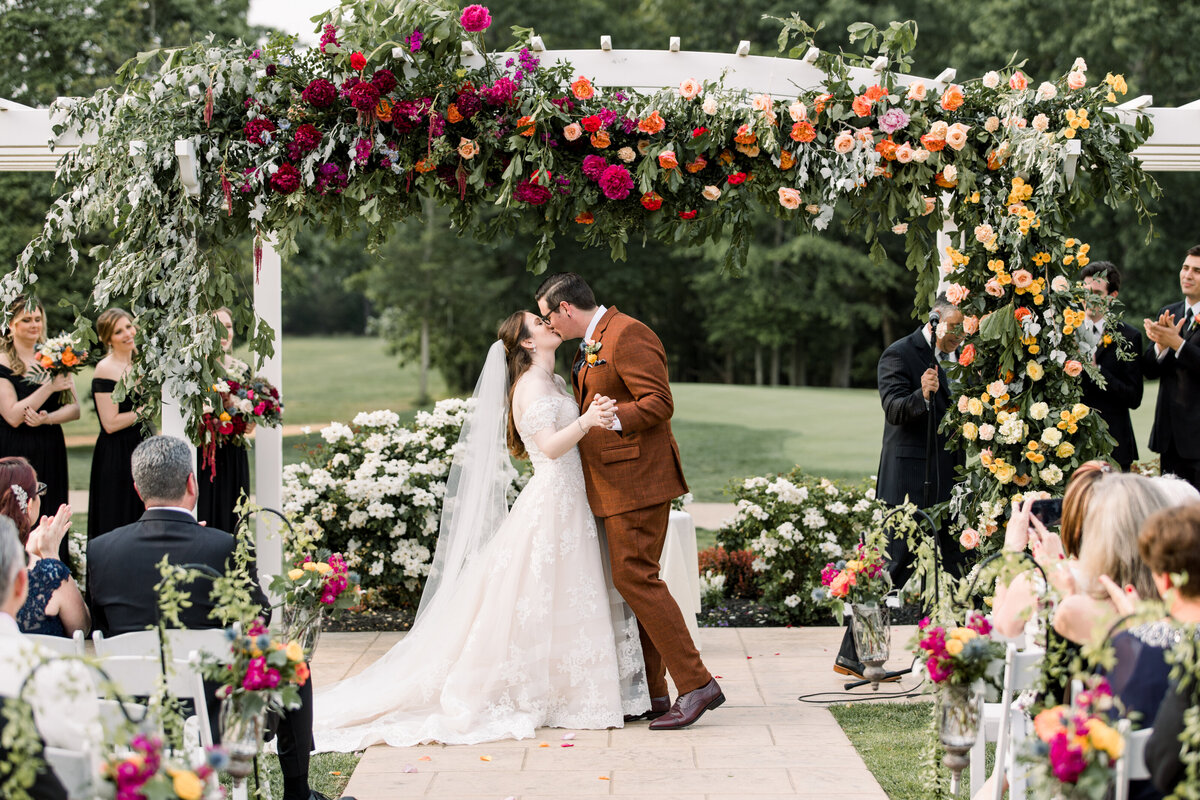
[{"x": 762, "y": 743}]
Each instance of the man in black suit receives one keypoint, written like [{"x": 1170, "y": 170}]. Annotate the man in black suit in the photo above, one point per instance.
[
  {"x": 122, "y": 573},
  {"x": 1174, "y": 358},
  {"x": 1120, "y": 366},
  {"x": 910, "y": 389}
]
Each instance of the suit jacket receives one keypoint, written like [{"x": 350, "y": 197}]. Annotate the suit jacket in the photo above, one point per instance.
[
  {"x": 46, "y": 784},
  {"x": 902, "y": 459},
  {"x": 123, "y": 570},
  {"x": 1176, "y": 414},
  {"x": 639, "y": 465},
  {"x": 1122, "y": 392}
]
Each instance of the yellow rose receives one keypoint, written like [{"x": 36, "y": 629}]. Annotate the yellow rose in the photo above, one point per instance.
[
  {"x": 963, "y": 634},
  {"x": 311, "y": 566},
  {"x": 970, "y": 431},
  {"x": 975, "y": 406},
  {"x": 954, "y": 646},
  {"x": 1034, "y": 371},
  {"x": 1105, "y": 738},
  {"x": 294, "y": 651},
  {"x": 323, "y": 568},
  {"x": 188, "y": 786},
  {"x": 1079, "y": 411},
  {"x": 295, "y": 574},
  {"x": 1065, "y": 450},
  {"x": 1005, "y": 472},
  {"x": 224, "y": 416}
]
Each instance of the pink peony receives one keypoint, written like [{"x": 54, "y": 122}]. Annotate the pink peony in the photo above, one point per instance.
[
  {"x": 594, "y": 166},
  {"x": 1018, "y": 82},
  {"x": 893, "y": 119},
  {"x": 475, "y": 18},
  {"x": 616, "y": 182}
]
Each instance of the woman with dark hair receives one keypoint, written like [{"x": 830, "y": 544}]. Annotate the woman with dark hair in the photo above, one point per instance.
[
  {"x": 223, "y": 486},
  {"x": 54, "y": 605},
  {"x": 112, "y": 500},
  {"x": 518, "y": 627},
  {"x": 34, "y": 412}
]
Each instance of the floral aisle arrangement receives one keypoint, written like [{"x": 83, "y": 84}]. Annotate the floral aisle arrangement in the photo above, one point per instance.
[
  {"x": 373, "y": 490},
  {"x": 393, "y": 107},
  {"x": 859, "y": 578},
  {"x": 1075, "y": 748},
  {"x": 239, "y": 400},
  {"x": 142, "y": 770},
  {"x": 793, "y": 524},
  {"x": 310, "y": 591}
]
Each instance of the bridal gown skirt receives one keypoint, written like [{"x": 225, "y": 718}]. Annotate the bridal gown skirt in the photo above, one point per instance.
[{"x": 535, "y": 637}]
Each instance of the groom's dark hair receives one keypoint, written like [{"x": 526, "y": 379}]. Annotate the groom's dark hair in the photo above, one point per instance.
[{"x": 566, "y": 286}]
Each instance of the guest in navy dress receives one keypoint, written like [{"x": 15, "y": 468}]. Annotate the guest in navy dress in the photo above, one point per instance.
[
  {"x": 223, "y": 485},
  {"x": 113, "y": 502},
  {"x": 54, "y": 605},
  {"x": 33, "y": 413}
]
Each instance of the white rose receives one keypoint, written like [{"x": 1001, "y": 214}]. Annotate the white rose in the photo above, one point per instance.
[
  {"x": 1046, "y": 91},
  {"x": 1052, "y": 437},
  {"x": 987, "y": 431},
  {"x": 1039, "y": 411},
  {"x": 710, "y": 106},
  {"x": 991, "y": 79},
  {"x": 950, "y": 173}
]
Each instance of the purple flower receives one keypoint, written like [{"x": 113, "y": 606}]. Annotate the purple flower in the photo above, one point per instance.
[
  {"x": 437, "y": 125},
  {"x": 893, "y": 119},
  {"x": 362, "y": 151},
  {"x": 594, "y": 166},
  {"x": 255, "y": 54},
  {"x": 330, "y": 178},
  {"x": 320, "y": 93},
  {"x": 616, "y": 182},
  {"x": 629, "y": 124},
  {"x": 618, "y": 97},
  {"x": 414, "y": 41},
  {"x": 529, "y": 62},
  {"x": 607, "y": 117}
]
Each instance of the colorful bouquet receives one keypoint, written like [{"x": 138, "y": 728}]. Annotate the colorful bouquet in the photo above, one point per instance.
[
  {"x": 860, "y": 579},
  {"x": 142, "y": 772},
  {"x": 310, "y": 590},
  {"x": 1075, "y": 748},
  {"x": 260, "y": 672},
  {"x": 58, "y": 356},
  {"x": 959, "y": 656},
  {"x": 238, "y": 402}
]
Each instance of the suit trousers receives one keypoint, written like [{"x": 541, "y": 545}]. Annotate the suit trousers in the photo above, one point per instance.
[
  {"x": 1186, "y": 468},
  {"x": 635, "y": 545}
]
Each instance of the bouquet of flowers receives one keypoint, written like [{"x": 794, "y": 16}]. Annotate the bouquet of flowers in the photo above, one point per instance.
[
  {"x": 241, "y": 401},
  {"x": 861, "y": 578},
  {"x": 142, "y": 772},
  {"x": 959, "y": 656},
  {"x": 1075, "y": 748},
  {"x": 58, "y": 356},
  {"x": 260, "y": 672},
  {"x": 312, "y": 589}
]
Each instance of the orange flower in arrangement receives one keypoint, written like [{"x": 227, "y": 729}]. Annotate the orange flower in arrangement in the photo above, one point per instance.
[
  {"x": 425, "y": 165},
  {"x": 819, "y": 103},
  {"x": 654, "y": 123},
  {"x": 995, "y": 160},
  {"x": 861, "y": 106},
  {"x": 695, "y": 166},
  {"x": 875, "y": 92},
  {"x": 1021, "y": 312},
  {"x": 745, "y": 135},
  {"x": 69, "y": 359},
  {"x": 932, "y": 143},
  {"x": 887, "y": 149},
  {"x": 601, "y": 139},
  {"x": 941, "y": 180},
  {"x": 803, "y": 132},
  {"x": 967, "y": 356},
  {"x": 383, "y": 110},
  {"x": 453, "y": 115},
  {"x": 585, "y": 218},
  {"x": 652, "y": 201},
  {"x": 582, "y": 88},
  {"x": 667, "y": 159},
  {"x": 526, "y": 126},
  {"x": 786, "y": 160},
  {"x": 952, "y": 98},
  {"x": 45, "y": 361},
  {"x": 726, "y": 157}
]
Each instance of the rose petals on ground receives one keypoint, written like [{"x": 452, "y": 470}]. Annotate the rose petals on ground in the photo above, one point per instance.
[{"x": 568, "y": 737}]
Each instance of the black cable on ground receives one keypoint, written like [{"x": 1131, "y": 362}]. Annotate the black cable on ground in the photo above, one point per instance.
[{"x": 853, "y": 697}]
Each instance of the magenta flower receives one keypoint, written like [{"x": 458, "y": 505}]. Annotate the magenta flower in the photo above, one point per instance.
[
  {"x": 319, "y": 93},
  {"x": 893, "y": 119},
  {"x": 383, "y": 80},
  {"x": 258, "y": 131},
  {"x": 616, "y": 182},
  {"x": 937, "y": 671},
  {"x": 328, "y": 36},
  {"x": 364, "y": 96},
  {"x": 1066, "y": 760},
  {"x": 286, "y": 179},
  {"x": 362, "y": 151},
  {"x": 532, "y": 193},
  {"x": 475, "y": 18},
  {"x": 414, "y": 41},
  {"x": 500, "y": 92},
  {"x": 594, "y": 166}
]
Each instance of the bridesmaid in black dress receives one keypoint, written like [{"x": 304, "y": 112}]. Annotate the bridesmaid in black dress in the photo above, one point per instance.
[
  {"x": 33, "y": 413},
  {"x": 112, "y": 501},
  {"x": 221, "y": 489}
]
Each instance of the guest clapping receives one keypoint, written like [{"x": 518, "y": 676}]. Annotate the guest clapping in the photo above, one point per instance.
[
  {"x": 54, "y": 605},
  {"x": 34, "y": 412},
  {"x": 112, "y": 501}
]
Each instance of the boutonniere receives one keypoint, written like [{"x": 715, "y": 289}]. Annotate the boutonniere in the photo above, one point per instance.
[
  {"x": 591, "y": 352},
  {"x": 1107, "y": 339}
]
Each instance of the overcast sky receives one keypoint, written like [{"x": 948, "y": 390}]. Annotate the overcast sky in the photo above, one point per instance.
[{"x": 290, "y": 16}]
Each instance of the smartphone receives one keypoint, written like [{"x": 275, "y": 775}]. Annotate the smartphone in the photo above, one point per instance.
[{"x": 1049, "y": 512}]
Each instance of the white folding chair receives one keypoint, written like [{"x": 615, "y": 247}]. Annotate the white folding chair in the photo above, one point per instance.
[
  {"x": 1021, "y": 671},
  {"x": 1131, "y": 766},
  {"x": 76, "y": 769},
  {"x": 989, "y": 723},
  {"x": 59, "y": 644}
]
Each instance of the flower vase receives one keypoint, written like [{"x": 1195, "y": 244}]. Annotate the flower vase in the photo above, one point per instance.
[
  {"x": 303, "y": 625},
  {"x": 241, "y": 736},
  {"x": 871, "y": 624},
  {"x": 959, "y": 729}
]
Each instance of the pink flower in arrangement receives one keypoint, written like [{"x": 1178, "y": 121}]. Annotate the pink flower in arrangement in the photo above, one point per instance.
[
  {"x": 286, "y": 179},
  {"x": 363, "y": 96},
  {"x": 938, "y": 670},
  {"x": 319, "y": 93},
  {"x": 1072, "y": 368},
  {"x": 894, "y": 119},
  {"x": 258, "y": 131},
  {"x": 616, "y": 183},
  {"x": 594, "y": 166},
  {"x": 1018, "y": 82},
  {"x": 499, "y": 93},
  {"x": 1066, "y": 759},
  {"x": 328, "y": 36},
  {"x": 475, "y": 18},
  {"x": 362, "y": 151},
  {"x": 414, "y": 41}
]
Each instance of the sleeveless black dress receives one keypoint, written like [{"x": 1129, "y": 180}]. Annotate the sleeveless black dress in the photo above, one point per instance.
[
  {"x": 112, "y": 501},
  {"x": 42, "y": 446},
  {"x": 219, "y": 494}
]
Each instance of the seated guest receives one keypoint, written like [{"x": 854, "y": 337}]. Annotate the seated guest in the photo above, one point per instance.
[
  {"x": 54, "y": 606},
  {"x": 61, "y": 692},
  {"x": 123, "y": 571}
]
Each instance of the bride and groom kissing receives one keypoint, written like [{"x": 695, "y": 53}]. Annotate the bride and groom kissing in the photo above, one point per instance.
[{"x": 550, "y": 613}]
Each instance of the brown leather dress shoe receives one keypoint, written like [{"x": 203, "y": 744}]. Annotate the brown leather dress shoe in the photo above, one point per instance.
[
  {"x": 658, "y": 707},
  {"x": 689, "y": 707}
]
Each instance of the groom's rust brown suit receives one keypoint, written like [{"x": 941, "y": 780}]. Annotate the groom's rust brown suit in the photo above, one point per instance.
[{"x": 632, "y": 475}]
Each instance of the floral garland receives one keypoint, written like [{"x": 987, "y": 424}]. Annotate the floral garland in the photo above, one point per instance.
[{"x": 386, "y": 111}]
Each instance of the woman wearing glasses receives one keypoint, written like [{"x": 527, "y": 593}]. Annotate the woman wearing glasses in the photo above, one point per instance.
[{"x": 54, "y": 605}]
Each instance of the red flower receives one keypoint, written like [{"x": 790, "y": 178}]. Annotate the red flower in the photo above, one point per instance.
[
  {"x": 285, "y": 181},
  {"x": 592, "y": 123},
  {"x": 305, "y": 141},
  {"x": 736, "y": 178},
  {"x": 532, "y": 193},
  {"x": 358, "y": 62},
  {"x": 320, "y": 93},
  {"x": 364, "y": 96},
  {"x": 699, "y": 131},
  {"x": 687, "y": 214},
  {"x": 255, "y": 129},
  {"x": 652, "y": 201},
  {"x": 384, "y": 80}
]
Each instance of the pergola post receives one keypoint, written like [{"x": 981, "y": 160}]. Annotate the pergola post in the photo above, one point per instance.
[{"x": 268, "y": 442}]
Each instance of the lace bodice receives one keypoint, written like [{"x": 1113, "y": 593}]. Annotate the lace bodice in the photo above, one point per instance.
[{"x": 550, "y": 408}]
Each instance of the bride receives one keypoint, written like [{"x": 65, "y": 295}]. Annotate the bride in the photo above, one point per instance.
[{"x": 519, "y": 626}]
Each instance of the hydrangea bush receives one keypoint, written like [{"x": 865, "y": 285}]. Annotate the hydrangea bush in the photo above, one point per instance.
[
  {"x": 794, "y": 524},
  {"x": 373, "y": 490}
]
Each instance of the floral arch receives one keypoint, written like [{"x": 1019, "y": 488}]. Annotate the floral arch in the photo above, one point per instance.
[{"x": 206, "y": 148}]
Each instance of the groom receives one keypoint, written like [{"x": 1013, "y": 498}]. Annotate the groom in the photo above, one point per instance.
[{"x": 633, "y": 472}]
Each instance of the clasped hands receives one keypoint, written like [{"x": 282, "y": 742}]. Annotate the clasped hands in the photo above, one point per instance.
[
  {"x": 602, "y": 412},
  {"x": 1165, "y": 331}
]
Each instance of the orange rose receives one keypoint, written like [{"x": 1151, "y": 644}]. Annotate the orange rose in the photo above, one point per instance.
[
  {"x": 652, "y": 124},
  {"x": 582, "y": 88},
  {"x": 453, "y": 115},
  {"x": 697, "y": 165},
  {"x": 601, "y": 140},
  {"x": 69, "y": 359},
  {"x": 932, "y": 143},
  {"x": 383, "y": 110},
  {"x": 526, "y": 126},
  {"x": 887, "y": 149},
  {"x": 585, "y": 218},
  {"x": 930, "y": 204},
  {"x": 572, "y": 132},
  {"x": 302, "y": 673},
  {"x": 861, "y": 106},
  {"x": 467, "y": 149},
  {"x": 1071, "y": 367},
  {"x": 819, "y": 103},
  {"x": 667, "y": 160},
  {"x": 941, "y": 180},
  {"x": 786, "y": 160},
  {"x": 875, "y": 92},
  {"x": 967, "y": 356},
  {"x": 425, "y": 165},
  {"x": 1018, "y": 82},
  {"x": 952, "y": 97},
  {"x": 970, "y": 325},
  {"x": 803, "y": 132},
  {"x": 789, "y": 198},
  {"x": 745, "y": 135}
]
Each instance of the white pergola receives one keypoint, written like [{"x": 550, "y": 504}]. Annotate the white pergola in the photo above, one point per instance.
[{"x": 28, "y": 144}]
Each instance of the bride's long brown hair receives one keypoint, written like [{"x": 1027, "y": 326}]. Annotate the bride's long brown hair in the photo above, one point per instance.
[{"x": 512, "y": 332}]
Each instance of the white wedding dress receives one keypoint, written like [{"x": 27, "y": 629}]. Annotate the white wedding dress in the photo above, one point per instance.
[{"x": 532, "y": 635}]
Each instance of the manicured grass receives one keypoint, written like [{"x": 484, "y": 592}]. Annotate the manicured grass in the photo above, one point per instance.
[
  {"x": 890, "y": 739},
  {"x": 328, "y": 773}
]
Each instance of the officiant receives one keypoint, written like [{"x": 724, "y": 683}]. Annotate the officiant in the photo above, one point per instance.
[{"x": 910, "y": 389}]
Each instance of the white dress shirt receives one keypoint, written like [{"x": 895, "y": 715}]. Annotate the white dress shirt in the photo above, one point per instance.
[{"x": 591, "y": 328}]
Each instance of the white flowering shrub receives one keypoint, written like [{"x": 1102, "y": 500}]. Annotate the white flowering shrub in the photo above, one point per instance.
[
  {"x": 794, "y": 524},
  {"x": 373, "y": 490}
]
